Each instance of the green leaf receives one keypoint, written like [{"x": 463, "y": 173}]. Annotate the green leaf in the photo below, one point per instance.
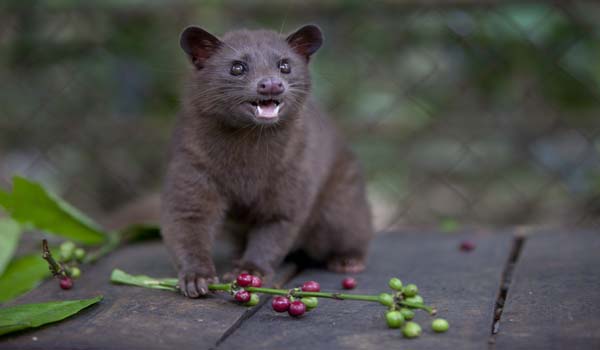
[
  {"x": 5, "y": 199},
  {"x": 31, "y": 204},
  {"x": 21, "y": 275},
  {"x": 10, "y": 232},
  {"x": 19, "y": 317},
  {"x": 119, "y": 276}
]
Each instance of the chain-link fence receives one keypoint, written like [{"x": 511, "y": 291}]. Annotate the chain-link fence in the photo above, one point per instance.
[{"x": 464, "y": 113}]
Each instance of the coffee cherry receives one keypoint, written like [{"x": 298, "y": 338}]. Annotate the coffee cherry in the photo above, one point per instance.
[
  {"x": 256, "y": 282},
  {"x": 395, "y": 283},
  {"x": 310, "y": 302},
  {"x": 410, "y": 290},
  {"x": 348, "y": 283},
  {"x": 75, "y": 272},
  {"x": 242, "y": 296},
  {"x": 411, "y": 330},
  {"x": 254, "y": 300},
  {"x": 467, "y": 246},
  {"x": 394, "y": 319},
  {"x": 297, "y": 308},
  {"x": 280, "y": 304},
  {"x": 440, "y": 325},
  {"x": 66, "y": 251},
  {"x": 67, "y": 246},
  {"x": 79, "y": 254},
  {"x": 386, "y": 299},
  {"x": 417, "y": 299},
  {"x": 66, "y": 283},
  {"x": 311, "y": 286},
  {"x": 65, "y": 257},
  {"x": 244, "y": 280},
  {"x": 408, "y": 314}
]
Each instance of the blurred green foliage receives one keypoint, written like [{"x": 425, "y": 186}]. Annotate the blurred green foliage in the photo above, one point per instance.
[
  {"x": 21, "y": 275},
  {"x": 473, "y": 113},
  {"x": 32, "y": 206},
  {"x": 10, "y": 233}
]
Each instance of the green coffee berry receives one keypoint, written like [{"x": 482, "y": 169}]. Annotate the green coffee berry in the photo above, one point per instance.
[
  {"x": 79, "y": 254},
  {"x": 66, "y": 251},
  {"x": 386, "y": 299},
  {"x": 410, "y": 290},
  {"x": 67, "y": 246},
  {"x": 411, "y": 330},
  {"x": 310, "y": 302},
  {"x": 395, "y": 283},
  {"x": 394, "y": 319},
  {"x": 440, "y": 325},
  {"x": 254, "y": 300},
  {"x": 417, "y": 299},
  {"x": 65, "y": 256},
  {"x": 408, "y": 314},
  {"x": 75, "y": 272}
]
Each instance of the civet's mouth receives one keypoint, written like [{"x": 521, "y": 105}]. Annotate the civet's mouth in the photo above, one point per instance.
[{"x": 267, "y": 108}]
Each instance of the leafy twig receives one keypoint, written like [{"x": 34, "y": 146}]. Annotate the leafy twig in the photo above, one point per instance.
[{"x": 119, "y": 276}]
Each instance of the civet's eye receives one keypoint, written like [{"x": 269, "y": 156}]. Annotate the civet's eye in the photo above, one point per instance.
[
  {"x": 284, "y": 67},
  {"x": 237, "y": 68}
]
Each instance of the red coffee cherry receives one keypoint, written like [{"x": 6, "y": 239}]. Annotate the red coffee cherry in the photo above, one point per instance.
[
  {"x": 297, "y": 308},
  {"x": 66, "y": 283},
  {"x": 256, "y": 282},
  {"x": 467, "y": 246},
  {"x": 349, "y": 283},
  {"x": 244, "y": 280},
  {"x": 280, "y": 304},
  {"x": 311, "y": 286},
  {"x": 242, "y": 296}
]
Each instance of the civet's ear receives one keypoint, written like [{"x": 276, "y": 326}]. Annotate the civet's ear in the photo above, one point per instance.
[
  {"x": 198, "y": 44},
  {"x": 306, "y": 40}
]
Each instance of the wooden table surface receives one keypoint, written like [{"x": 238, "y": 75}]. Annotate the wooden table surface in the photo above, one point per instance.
[{"x": 544, "y": 287}]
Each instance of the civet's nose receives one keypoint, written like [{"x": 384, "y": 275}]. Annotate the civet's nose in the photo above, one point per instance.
[{"x": 270, "y": 86}]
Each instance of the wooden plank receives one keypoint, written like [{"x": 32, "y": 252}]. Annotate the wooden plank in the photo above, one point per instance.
[
  {"x": 130, "y": 317},
  {"x": 463, "y": 286},
  {"x": 554, "y": 298}
]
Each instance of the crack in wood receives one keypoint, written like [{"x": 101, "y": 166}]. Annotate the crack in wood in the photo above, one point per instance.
[{"x": 505, "y": 281}]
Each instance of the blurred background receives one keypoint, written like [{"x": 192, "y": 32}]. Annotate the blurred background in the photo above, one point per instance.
[{"x": 464, "y": 113}]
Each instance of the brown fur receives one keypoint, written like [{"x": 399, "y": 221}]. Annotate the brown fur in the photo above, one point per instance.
[{"x": 294, "y": 183}]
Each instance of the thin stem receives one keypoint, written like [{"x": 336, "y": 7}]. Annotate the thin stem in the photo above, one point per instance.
[
  {"x": 271, "y": 291},
  {"x": 430, "y": 310},
  {"x": 339, "y": 296},
  {"x": 55, "y": 267},
  {"x": 220, "y": 287},
  {"x": 297, "y": 293}
]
